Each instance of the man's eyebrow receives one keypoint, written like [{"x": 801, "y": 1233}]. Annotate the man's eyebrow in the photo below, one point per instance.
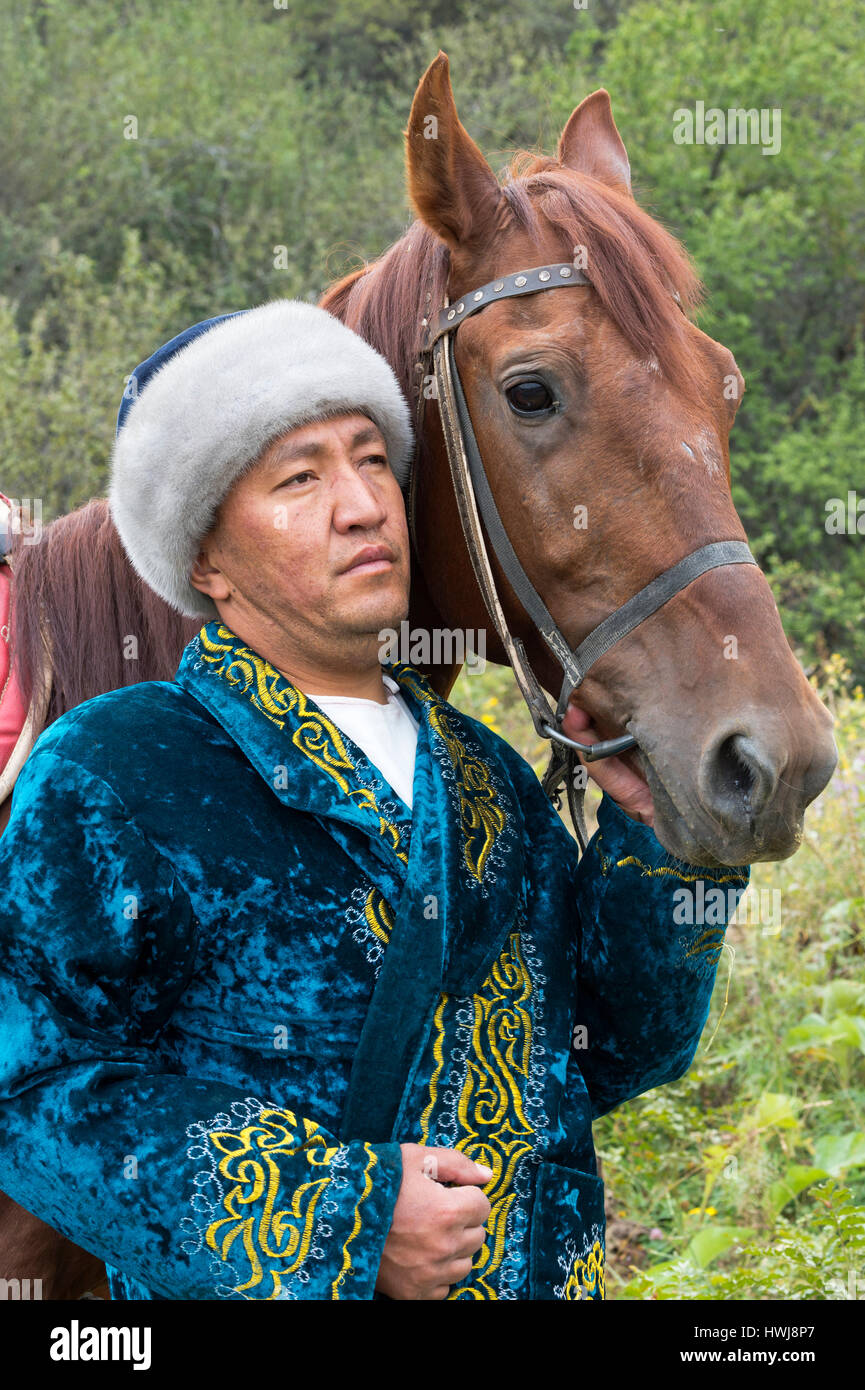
[{"x": 315, "y": 448}]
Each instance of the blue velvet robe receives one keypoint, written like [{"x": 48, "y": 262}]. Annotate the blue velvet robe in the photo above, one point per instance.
[{"x": 236, "y": 972}]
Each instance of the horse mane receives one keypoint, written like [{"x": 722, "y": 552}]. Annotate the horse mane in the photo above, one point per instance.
[
  {"x": 636, "y": 267},
  {"x": 77, "y": 584},
  {"x": 385, "y": 302}
]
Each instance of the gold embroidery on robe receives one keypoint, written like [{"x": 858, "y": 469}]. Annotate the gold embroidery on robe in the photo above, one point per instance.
[
  {"x": 587, "y": 1276},
  {"x": 495, "y": 1130},
  {"x": 661, "y": 870},
  {"x": 316, "y": 736},
  {"x": 481, "y": 818},
  {"x": 709, "y": 944},
  {"x": 378, "y": 915},
  {"x": 346, "y": 1258},
  {"x": 275, "y": 1243}
]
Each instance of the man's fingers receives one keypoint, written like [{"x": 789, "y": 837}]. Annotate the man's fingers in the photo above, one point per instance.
[
  {"x": 453, "y": 1271},
  {"x": 614, "y": 776},
  {"x": 449, "y": 1165},
  {"x": 470, "y": 1206},
  {"x": 470, "y": 1243}
]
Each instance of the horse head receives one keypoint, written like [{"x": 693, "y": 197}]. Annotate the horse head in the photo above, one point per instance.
[{"x": 602, "y": 414}]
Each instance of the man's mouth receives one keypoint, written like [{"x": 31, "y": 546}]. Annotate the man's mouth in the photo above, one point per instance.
[{"x": 371, "y": 560}]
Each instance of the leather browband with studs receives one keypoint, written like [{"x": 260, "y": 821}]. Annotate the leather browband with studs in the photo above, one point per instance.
[{"x": 540, "y": 277}]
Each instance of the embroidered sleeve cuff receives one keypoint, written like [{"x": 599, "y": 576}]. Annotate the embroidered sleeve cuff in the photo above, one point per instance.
[
  {"x": 622, "y": 842},
  {"x": 364, "y": 1192},
  {"x": 287, "y": 1212}
]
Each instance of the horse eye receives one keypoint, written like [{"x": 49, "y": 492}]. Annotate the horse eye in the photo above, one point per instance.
[{"x": 529, "y": 398}]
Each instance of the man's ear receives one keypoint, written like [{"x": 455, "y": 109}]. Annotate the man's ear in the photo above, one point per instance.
[{"x": 207, "y": 577}]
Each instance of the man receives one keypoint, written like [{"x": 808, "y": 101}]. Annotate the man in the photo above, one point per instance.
[{"x": 304, "y": 992}]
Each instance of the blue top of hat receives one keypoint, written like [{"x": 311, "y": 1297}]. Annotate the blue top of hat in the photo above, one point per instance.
[{"x": 145, "y": 370}]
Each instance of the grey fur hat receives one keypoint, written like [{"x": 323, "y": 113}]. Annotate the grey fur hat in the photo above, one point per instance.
[{"x": 207, "y": 403}]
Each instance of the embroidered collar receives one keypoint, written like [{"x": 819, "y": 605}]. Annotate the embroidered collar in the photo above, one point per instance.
[
  {"x": 218, "y": 651},
  {"x": 452, "y": 869}
]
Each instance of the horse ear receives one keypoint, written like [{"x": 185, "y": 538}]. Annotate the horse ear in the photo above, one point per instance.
[
  {"x": 591, "y": 144},
  {"x": 451, "y": 186}
]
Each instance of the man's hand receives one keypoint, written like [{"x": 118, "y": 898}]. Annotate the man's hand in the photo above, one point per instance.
[
  {"x": 613, "y": 775},
  {"x": 435, "y": 1230}
]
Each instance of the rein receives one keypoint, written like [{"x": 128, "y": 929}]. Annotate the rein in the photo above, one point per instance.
[{"x": 476, "y": 502}]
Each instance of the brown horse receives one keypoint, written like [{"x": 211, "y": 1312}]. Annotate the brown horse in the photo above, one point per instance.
[
  {"x": 605, "y": 397},
  {"x": 83, "y": 622}
]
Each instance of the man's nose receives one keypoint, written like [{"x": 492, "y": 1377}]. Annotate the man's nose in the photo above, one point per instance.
[{"x": 357, "y": 502}]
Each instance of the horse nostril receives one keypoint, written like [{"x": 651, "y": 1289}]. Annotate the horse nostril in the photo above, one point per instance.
[
  {"x": 737, "y": 779},
  {"x": 732, "y": 773}
]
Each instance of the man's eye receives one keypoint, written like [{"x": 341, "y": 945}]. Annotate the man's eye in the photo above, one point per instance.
[
  {"x": 375, "y": 458},
  {"x": 295, "y": 477},
  {"x": 530, "y": 398}
]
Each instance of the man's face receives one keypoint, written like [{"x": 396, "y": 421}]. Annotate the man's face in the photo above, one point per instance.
[{"x": 289, "y": 535}]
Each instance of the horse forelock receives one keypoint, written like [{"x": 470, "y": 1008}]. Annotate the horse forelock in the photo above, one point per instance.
[{"x": 636, "y": 266}]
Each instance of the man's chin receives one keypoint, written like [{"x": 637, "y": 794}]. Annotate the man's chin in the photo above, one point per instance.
[{"x": 374, "y": 622}]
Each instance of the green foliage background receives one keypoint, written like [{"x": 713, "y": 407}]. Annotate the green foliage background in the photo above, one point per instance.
[{"x": 264, "y": 125}]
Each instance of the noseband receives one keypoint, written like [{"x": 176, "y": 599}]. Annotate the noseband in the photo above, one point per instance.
[{"x": 475, "y": 502}]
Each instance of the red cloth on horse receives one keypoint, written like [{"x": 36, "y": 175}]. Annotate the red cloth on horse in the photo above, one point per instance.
[{"x": 13, "y": 709}]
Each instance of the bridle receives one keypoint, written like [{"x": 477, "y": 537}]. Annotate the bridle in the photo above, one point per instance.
[{"x": 475, "y": 502}]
